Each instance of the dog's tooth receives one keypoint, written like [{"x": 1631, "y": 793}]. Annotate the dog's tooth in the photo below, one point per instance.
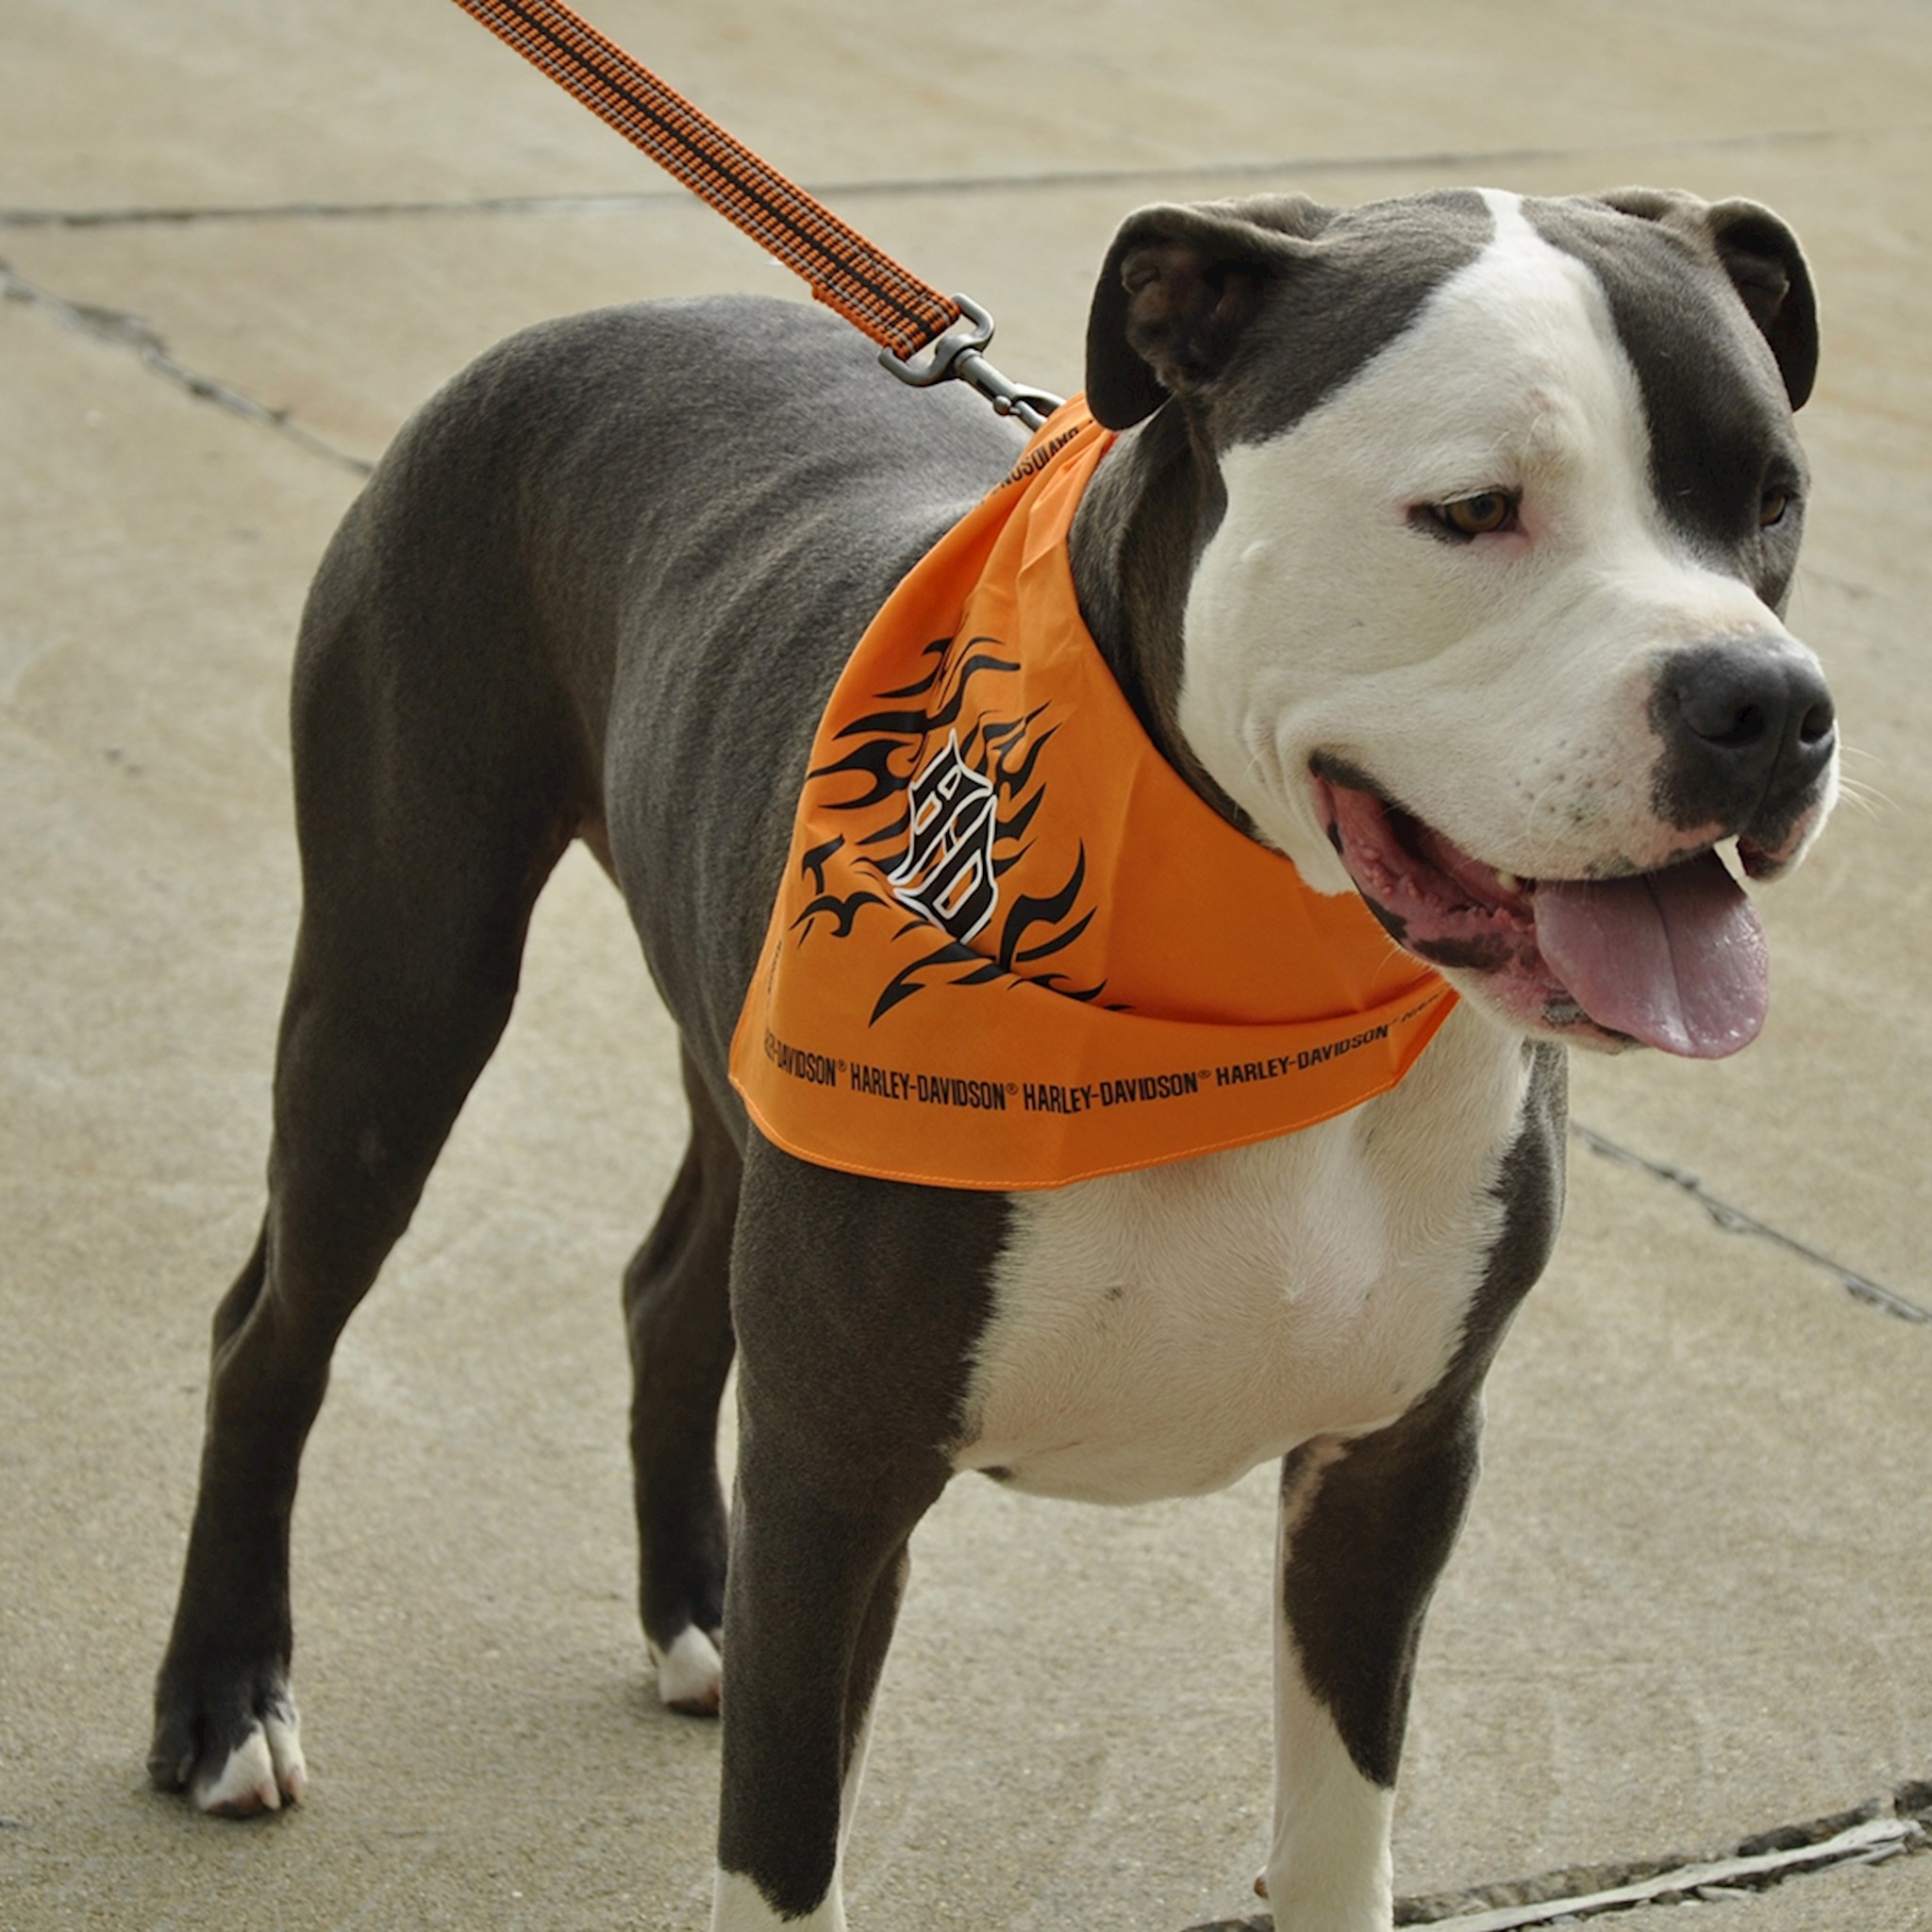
[{"x": 1509, "y": 882}]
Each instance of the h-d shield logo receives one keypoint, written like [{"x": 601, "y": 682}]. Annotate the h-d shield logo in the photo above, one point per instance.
[{"x": 946, "y": 875}]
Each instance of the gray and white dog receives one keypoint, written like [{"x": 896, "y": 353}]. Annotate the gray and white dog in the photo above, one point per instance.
[{"x": 1443, "y": 551}]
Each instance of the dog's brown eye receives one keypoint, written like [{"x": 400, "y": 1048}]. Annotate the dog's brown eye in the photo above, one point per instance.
[
  {"x": 1480, "y": 516},
  {"x": 1772, "y": 510}
]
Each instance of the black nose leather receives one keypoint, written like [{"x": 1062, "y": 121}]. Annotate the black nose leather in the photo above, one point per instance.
[{"x": 1748, "y": 722}]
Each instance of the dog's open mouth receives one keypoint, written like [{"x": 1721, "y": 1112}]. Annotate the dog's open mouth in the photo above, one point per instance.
[{"x": 1676, "y": 958}]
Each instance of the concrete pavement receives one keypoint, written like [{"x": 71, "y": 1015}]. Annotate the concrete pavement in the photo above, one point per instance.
[{"x": 1694, "y": 1601}]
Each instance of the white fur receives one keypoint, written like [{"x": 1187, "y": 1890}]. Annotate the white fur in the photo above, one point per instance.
[
  {"x": 1500, "y": 688},
  {"x": 689, "y": 1674},
  {"x": 739, "y": 1906},
  {"x": 1160, "y": 1333},
  {"x": 1329, "y": 1868},
  {"x": 262, "y": 1771}
]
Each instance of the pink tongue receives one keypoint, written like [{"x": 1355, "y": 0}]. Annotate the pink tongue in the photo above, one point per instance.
[{"x": 1676, "y": 958}]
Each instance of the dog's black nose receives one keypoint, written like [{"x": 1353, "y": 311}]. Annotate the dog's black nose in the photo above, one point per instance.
[{"x": 1751, "y": 729}]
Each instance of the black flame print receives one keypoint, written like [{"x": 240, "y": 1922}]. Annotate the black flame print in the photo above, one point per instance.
[{"x": 959, "y": 693}]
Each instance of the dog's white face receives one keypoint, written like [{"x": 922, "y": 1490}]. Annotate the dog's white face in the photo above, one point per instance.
[{"x": 1443, "y": 645}]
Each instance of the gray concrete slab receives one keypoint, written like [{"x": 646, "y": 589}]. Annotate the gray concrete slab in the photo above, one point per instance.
[
  {"x": 226, "y": 104},
  {"x": 1692, "y": 1600}
]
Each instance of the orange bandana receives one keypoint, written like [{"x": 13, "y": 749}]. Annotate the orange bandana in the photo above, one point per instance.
[{"x": 1013, "y": 948}]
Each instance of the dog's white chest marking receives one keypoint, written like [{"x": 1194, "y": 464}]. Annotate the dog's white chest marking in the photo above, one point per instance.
[{"x": 1158, "y": 1333}]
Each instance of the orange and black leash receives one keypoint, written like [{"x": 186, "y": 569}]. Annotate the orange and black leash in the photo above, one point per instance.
[{"x": 924, "y": 337}]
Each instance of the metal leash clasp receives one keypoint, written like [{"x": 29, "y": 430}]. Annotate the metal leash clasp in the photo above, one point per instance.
[{"x": 955, "y": 356}]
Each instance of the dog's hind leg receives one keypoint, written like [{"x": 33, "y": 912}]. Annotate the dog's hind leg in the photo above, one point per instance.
[
  {"x": 430, "y": 805},
  {"x": 1365, "y": 1529},
  {"x": 677, "y": 1309}
]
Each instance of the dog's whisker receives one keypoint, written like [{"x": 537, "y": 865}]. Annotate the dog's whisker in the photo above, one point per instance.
[{"x": 1865, "y": 798}]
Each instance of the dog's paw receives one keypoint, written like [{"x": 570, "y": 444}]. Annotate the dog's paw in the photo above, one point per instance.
[
  {"x": 260, "y": 1773},
  {"x": 691, "y": 1676},
  {"x": 234, "y": 1767}
]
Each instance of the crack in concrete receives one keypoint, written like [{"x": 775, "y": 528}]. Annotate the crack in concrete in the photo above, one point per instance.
[
  {"x": 1046, "y": 180},
  {"x": 121, "y": 329},
  {"x": 1868, "y": 1834},
  {"x": 1737, "y": 1221}
]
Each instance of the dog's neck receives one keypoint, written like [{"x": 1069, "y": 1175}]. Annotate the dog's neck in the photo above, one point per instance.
[{"x": 1153, "y": 504}]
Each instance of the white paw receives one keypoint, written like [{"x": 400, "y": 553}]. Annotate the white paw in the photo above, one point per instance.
[
  {"x": 1340, "y": 1908},
  {"x": 738, "y": 1906},
  {"x": 261, "y": 1772},
  {"x": 691, "y": 1675}
]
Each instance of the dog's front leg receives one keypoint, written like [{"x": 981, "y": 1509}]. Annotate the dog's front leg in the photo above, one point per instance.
[
  {"x": 856, "y": 1303},
  {"x": 816, "y": 1576},
  {"x": 1365, "y": 1529}
]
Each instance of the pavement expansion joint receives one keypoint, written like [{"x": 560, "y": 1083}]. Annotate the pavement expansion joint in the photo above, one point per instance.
[
  {"x": 1869, "y": 1834},
  {"x": 120, "y": 330},
  {"x": 1733, "y": 1220},
  {"x": 1045, "y": 179}
]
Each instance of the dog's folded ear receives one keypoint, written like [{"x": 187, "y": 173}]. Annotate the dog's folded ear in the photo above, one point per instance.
[
  {"x": 1179, "y": 286},
  {"x": 1762, "y": 258}
]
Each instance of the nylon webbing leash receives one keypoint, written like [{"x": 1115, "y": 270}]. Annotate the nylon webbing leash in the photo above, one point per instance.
[{"x": 924, "y": 337}]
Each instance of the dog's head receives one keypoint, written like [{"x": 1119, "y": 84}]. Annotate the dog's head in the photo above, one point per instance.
[{"x": 1482, "y": 617}]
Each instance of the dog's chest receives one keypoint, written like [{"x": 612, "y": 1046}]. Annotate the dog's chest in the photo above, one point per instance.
[{"x": 1158, "y": 1333}]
